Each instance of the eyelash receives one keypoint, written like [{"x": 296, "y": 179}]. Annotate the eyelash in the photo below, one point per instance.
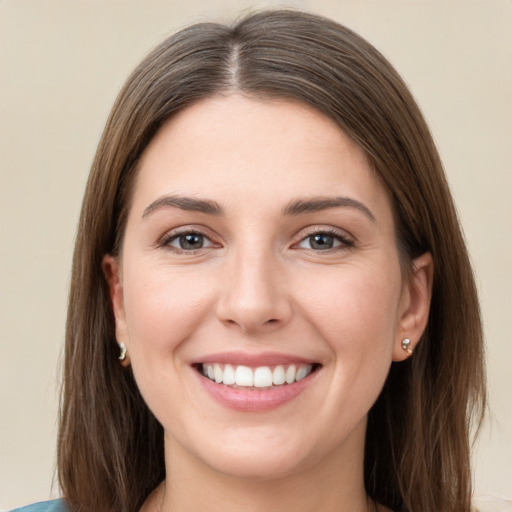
[
  {"x": 176, "y": 235},
  {"x": 344, "y": 242}
]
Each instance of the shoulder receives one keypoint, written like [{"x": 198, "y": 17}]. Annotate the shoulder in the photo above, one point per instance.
[{"x": 44, "y": 506}]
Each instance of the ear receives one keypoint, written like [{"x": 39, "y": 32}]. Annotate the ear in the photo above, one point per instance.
[
  {"x": 112, "y": 272},
  {"x": 414, "y": 305}
]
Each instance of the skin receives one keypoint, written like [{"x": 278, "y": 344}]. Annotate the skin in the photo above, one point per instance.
[{"x": 260, "y": 284}]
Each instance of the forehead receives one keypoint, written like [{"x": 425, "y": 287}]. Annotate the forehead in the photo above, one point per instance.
[{"x": 248, "y": 149}]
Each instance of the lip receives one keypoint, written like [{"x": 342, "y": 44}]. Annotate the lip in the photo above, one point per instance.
[
  {"x": 253, "y": 360},
  {"x": 251, "y": 399}
]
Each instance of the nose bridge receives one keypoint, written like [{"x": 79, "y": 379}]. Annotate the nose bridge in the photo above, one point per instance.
[{"x": 254, "y": 295}]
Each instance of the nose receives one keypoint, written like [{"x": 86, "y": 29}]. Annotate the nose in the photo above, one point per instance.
[{"x": 255, "y": 296}]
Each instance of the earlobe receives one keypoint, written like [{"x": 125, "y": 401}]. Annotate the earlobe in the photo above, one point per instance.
[
  {"x": 112, "y": 272},
  {"x": 415, "y": 307}
]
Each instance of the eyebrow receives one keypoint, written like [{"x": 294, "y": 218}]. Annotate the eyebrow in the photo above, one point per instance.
[
  {"x": 295, "y": 207},
  {"x": 316, "y": 204},
  {"x": 190, "y": 204}
]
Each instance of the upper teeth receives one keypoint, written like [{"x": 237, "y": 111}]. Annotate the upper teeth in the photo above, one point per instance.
[{"x": 260, "y": 377}]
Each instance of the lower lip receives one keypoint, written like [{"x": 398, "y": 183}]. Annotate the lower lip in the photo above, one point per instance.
[{"x": 255, "y": 400}]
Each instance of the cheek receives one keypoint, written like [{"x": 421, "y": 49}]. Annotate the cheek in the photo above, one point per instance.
[
  {"x": 358, "y": 318},
  {"x": 362, "y": 306},
  {"x": 162, "y": 308},
  {"x": 354, "y": 311}
]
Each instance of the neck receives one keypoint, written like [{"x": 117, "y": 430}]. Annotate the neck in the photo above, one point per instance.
[{"x": 334, "y": 485}]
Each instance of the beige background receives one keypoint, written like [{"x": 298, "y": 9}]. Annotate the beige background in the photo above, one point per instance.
[{"x": 61, "y": 65}]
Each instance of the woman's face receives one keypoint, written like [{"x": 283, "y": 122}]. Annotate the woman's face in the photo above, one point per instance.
[{"x": 258, "y": 291}]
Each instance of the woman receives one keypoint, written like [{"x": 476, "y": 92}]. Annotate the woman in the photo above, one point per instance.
[{"x": 272, "y": 305}]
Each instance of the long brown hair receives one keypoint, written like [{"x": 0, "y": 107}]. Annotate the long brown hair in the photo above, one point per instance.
[{"x": 110, "y": 452}]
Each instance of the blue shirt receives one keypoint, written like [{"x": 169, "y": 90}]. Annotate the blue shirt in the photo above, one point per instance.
[{"x": 44, "y": 506}]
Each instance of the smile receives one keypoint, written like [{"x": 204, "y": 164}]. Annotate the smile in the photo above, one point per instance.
[
  {"x": 261, "y": 377},
  {"x": 255, "y": 384}
]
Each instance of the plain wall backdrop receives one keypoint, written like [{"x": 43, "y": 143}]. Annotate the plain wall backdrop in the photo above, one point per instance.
[{"x": 61, "y": 66}]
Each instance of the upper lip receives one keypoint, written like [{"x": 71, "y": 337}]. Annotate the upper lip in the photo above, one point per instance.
[{"x": 253, "y": 360}]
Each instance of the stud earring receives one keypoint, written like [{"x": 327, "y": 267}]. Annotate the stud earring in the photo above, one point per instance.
[
  {"x": 122, "y": 351},
  {"x": 405, "y": 345}
]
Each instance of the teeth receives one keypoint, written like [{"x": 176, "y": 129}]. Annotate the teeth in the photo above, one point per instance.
[
  {"x": 260, "y": 377},
  {"x": 278, "y": 375},
  {"x": 218, "y": 373},
  {"x": 229, "y": 375},
  {"x": 301, "y": 373},
  {"x": 244, "y": 376},
  {"x": 289, "y": 376}
]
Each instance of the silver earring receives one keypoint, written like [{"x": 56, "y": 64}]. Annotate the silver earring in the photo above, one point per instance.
[
  {"x": 405, "y": 345},
  {"x": 122, "y": 351}
]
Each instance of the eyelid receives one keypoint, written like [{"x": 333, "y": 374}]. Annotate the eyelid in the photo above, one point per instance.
[
  {"x": 164, "y": 241},
  {"x": 207, "y": 243},
  {"x": 347, "y": 241}
]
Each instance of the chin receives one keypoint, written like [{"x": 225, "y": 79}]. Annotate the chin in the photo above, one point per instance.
[
  {"x": 258, "y": 466},
  {"x": 264, "y": 453}
]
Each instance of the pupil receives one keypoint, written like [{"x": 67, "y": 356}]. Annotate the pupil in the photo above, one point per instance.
[
  {"x": 191, "y": 241},
  {"x": 322, "y": 242}
]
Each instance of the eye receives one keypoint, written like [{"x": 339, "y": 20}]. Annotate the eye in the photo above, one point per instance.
[
  {"x": 188, "y": 241},
  {"x": 323, "y": 241}
]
